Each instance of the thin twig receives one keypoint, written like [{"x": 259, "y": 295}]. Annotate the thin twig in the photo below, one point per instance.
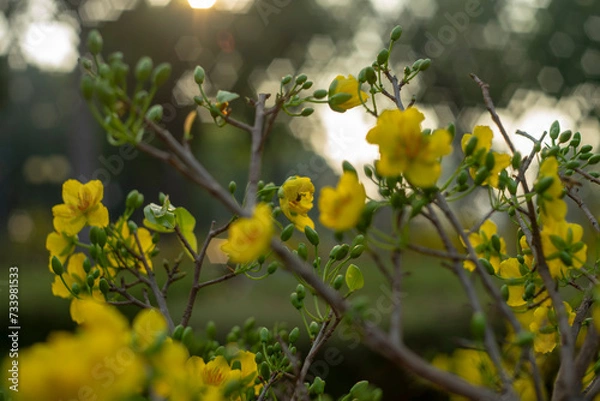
[{"x": 586, "y": 210}]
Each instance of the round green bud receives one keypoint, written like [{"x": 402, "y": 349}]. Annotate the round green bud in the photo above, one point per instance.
[
  {"x": 258, "y": 357},
  {"x": 496, "y": 244},
  {"x": 542, "y": 185},
  {"x": 490, "y": 161},
  {"x": 286, "y": 80},
  {"x": 143, "y": 69},
  {"x": 504, "y": 292},
  {"x": 301, "y": 291},
  {"x": 320, "y": 94},
  {"x": 362, "y": 76},
  {"x": 576, "y": 140},
  {"x": 132, "y": 226},
  {"x": 462, "y": 177},
  {"x": 481, "y": 175},
  {"x": 478, "y": 323},
  {"x": 425, "y": 64},
  {"x": 134, "y": 200},
  {"x": 105, "y": 71},
  {"x": 199, "y": 100},
  {"x": 586, "y": 148},
  {"x": 338, "y": 282},
  {"x": 301, "y": 79},
  {"x": 471, "y": 145},
  {"x": 296, "y": 301},
  {"x": 311, "y": 235},
  {"x": 383, "y": 57},
  {"x": 155, "y": 113},
  {"x": 317, "y": 387},
  {"x": 232, "y": 187},
  {"x": 272, "y": 268},
  {"x": 87, "y": 265},
  {"x": 307, "y": 111},
  {"x": 161, "y": 74},
  {"x": 177, "y": 332},
  {"x": 95, "y": 42},
  {"x": 265, "y": 371},
  {"x": 294, "y": 335},
  {"x": 339, "y": 98},
  {"x": 347, "y": 167},
  {"x": 199, "y": 75},
  {"x": 396, "y": 33},
  {"x": 358, "y": 240},
  {"x": 594, "y": 159},
  {"x": 263, "y": 334},
  {"x": 529, "y": 291},
  {"x": 566, "y": 258},
  {"x": 368, "y": 171},
  {"x": 187, "y": 337},
  {"x": 357, "y": 251},
  {"x": 75, "y": 288},
  {"x": 554, "y": 130},
  {"x": 287, "y": 232},
  {"x": 342, "y": 252},
  {"x": 585, "y": 156},
  {"x": 86, "y": 86},
  {"x": 525, "y": 339},
  {"x": 314, "y": 328},
  {"x": 487, "y": 266},
  {"x": 565, "y": 136},
  {"x": 106, "y": 94},
  {"x": 307, "y": 85},
  {"x": 211, "y": 329},
  {"x": 103, "y": 285},
  {"x": 516, "y": 160},
  {"x": 86, "y": 63},
  {"x": 90, "y": 280},
  {"x": 57, "y": 267},
  {"x": 370, "y": 75}
]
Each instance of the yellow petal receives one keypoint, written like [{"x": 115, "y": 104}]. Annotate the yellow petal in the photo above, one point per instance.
[
  {"x": 98, "y": 216},
  {"x": 70, "y": 192}
]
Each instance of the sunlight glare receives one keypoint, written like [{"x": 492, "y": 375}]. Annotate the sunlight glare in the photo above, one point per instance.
[
  {"x": 50, "y": 46},
  {"x": 202, "y": 4}
]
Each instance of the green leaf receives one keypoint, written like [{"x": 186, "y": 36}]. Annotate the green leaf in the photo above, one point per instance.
[
  {"x": 187, "y": 223},
  {"x": 225, "y": 97},
  {"x": 157, "y": 215},
  {"x": 354, "y": 278}
]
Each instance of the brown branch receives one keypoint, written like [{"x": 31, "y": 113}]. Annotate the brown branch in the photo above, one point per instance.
[
  {"x": 588, "y": 176},
  {"x": 586, "y": 210}
]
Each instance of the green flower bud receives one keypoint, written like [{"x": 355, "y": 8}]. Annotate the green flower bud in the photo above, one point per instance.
[
  {"x": 573, "y": 164},
  {"x": 301, "y": 79},
  {"x": 103, "y": 285},
  {"x": 586, "y": 148},
  {"x": 565, "y": 258},
  {"x": 529, "y": 291},
  {"x": 542, "y": 185},
  {"x": 490, "y": 162},
  {"x": 524, "y": 339},
  {"x": 90, "y": 281},
  {"x": 554, "y": 130},
  {"x": 396, "y": 33},
  {"x": 462, "y": 177},
  {"x": 265, "y": 371},
  {"x": 287, "y": 232},
  {"x": 86, "y": 63},
  {"x": 155, "y": 113},
  {"x": 471, "y": 146},
  {"x": 357, "y": 251},
  {"x": 342, "y": 252},
  {"x": 338, "y": 282},
  {"x": 301, "y": 291},
  {"x": 334, "y": 251},
  {"x": 496, "y": 244},
  {"x": 134, "y": 200},
  {"x": 296, "y": 301},
  {"x": 425, "y": 64},
  {"x": 362, "y": 76},
  {"x": 272, "y": 268},
  {"x": 314, "y": 328},
  {"x": 481, "y": 175},
  {"x": 359, "y": 388},
  {"x": 478, "y": 323},
  {"x": 211, "y": 329},
  {"x": 516, "y": 160},
  {"x": 132, "y": 226},
  {"x": 585, "y": 156},
  {"x": 75, "y": 288},
  {"x": 504, "y": 292},
  {"x": 487, "y": 266},
  {"x": 199, "y": 75},
  {"x": 286, "y": 80},
  {"x": 594, "y": 159},
  {"x": 576, "y": 140},
  {"x": 258, "y": 357},
  {"x": 57, "y": 267},
  {"x": 317, "y": 387},
  {"x": 339, "y": 98},
  {"x": 87, "y": 87},
  {"x": 294, "y": 335},
  {"x": 320, "y": 93},
  {"x": 565, "y": 136},
  {"x": 143, "y": 69},
  {"x": 370, "y": 75},
  {"x": 307, "y": 85},
  {"x": 263, "y": 334},
  {"x": 311, "y": 235},
  {"x": 307, "y": 111},
  {"x": 87, "y": 265},
  {"x": 383, "y": 57},
  {"x": 106, "y": 94},
  {"x": 95, "y": 42},
  {"x": 161, "y": 74}
]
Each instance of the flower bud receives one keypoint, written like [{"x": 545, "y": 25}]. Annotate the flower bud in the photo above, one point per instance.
[
  {"x": 287, "y": 232},
  {"x": 57, "y": 267},
  {"x": 301, "y": 79},
  {"x": 307, "y": 111},
  {"x": 542, "y": 185},
  {"x": 87, "y": 265},
  {"x": 143, "y": 69},
  {"x": 294, "y": 335},
  {"x": 425, "y": 64},
  {"x": 103, "y": 285},
  {"x": 481, "y": 175},
  {"x": 86, "y": 63},
  {"x": 383, "y": 57},
  {"x": 516, "y": 160},
  {"x": 232, "y": 187},
  {"x": 342, "y": 252},
  {"x": 301, "y": 291},
  {"x": 576, "y": 140},
  {"x": 487, "y": 266},
  {"x": 554, "y": 130},
  {"x": 311, "y": 235},
  {"x": 357, "y": 251},
  {"x": 296, "y": 302},
  {"x": 525, "y": 339},
  {"x": 161, "y": 74},
  {"x": 155, "y": 113},
  {"x": 187, "y": 337},
  {"x": 314, "y": 328},
  {"x": 504, "y": 292},
  {"x": 320, "y": 94},
  {"x": 177, "y": 332},
  {"x": 396, "y": 33},
  {"x": 272, "y": 268},
  {"x": 134, "y": 200},
  {"x": 496, "y": 244},
  {"x": 132, "y": 226},
  {"x": 594, "y": 160},
  {"x": 87, "y": 87},
  {"x": 199, "y": 75},
  {"x": 90, "y": 280},
  {"x": 471, "y": 145},
  {"x": 490, "y": 161},
  {"x": 370, "y": 75},
  {"x": 95, "y": 42},
  {"x": 265, "y": 371},
  {"x": 565, "y": 136},
  {"x": 75, "y": 288},
  {"x": 338, "y": 282},
  {"x": 263, "y": 334},
  {"x": 286, "y": 80},
  {"x": 307, "y": 85},
  {"x": 211, "y": 329},
  {"x": 478, "y": 323},
  {"x": 317, "y": 387}
]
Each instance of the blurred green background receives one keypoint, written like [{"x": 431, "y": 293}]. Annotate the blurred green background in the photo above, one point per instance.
[{"x": 541, "y": 58}]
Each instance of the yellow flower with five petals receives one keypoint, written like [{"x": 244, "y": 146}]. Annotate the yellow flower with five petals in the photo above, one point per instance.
[{"x": 82, "y": 205}]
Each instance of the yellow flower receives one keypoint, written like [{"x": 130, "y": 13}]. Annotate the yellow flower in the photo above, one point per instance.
[
  {"x": 149, "y": 328},
  {"x": 348, "y": 86},
  {"x": 508, "y": 269},
  {"x": 250, "y": 237},
  {"x": 484, "y": 137},
  {"x": 129, "y": 240},
  {"x": 341, "y": 207},
  {"x": 404, "y": 149},
  {"x": 484, "y": 247},
  {"x": 171, "y": 379},
  {"x": 74, "y": 274},
  {"x": 59, "y": 245},
  {"x": 546, "y": 336},
  {"x": 82, "y": 206},
  {"x": 551, "y": 205},
  {"x": 296, "y": 200},
  {"x": 94, "y": 363},
  {"x": 569, "y": 235}
]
